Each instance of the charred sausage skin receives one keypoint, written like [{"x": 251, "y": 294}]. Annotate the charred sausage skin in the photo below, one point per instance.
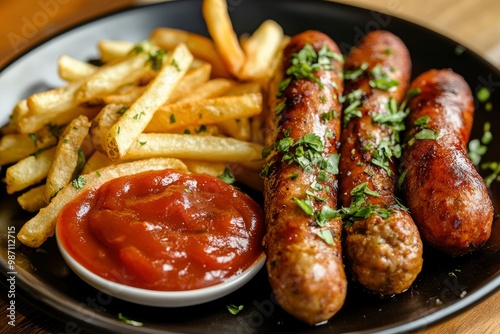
[
  {"x": 382, "y": 242},
  {"x": 448, "y": 199},
  {"x": 303, "y": 243}
]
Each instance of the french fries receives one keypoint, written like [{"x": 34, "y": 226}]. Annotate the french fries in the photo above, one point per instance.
[
  {"x": 111, "y": 77},
  {"x": 200, "y": 46},
  {"x": 17, "y": 146},
  {"x": 66, "y": 157},
  {"x": 205, "y": 111},
  {"x": 112, "y": 50},
  {"x": 260, "y": 50},
  {"x": 29, "y": 171},
  {"x": 35, "y": 231},
  {"x": 197, "y": 147},
  {"x": 133, "y": 122},
  {"x": 33, "y": 199},
  {"x": 176, "y": 100},
  {"x": 55, "y": 100},
  {"x": 71, "y": 69},
  {"x": 221, "y": 30}
]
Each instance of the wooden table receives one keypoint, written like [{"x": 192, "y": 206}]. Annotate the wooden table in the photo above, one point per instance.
[{"x": 475, "y": 24}]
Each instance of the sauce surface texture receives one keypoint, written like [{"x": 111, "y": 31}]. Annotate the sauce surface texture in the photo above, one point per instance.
[{"x": 163, "y": 230}]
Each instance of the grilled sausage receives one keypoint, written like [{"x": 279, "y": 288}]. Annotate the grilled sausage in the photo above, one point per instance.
[
  {"x": 447, "y": 197},
  {"x": 382, "y": 243},
  {"x": 303, "y": 240}
]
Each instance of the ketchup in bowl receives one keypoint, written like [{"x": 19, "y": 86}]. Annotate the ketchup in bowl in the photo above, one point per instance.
[{"x": 163, "y": 230}]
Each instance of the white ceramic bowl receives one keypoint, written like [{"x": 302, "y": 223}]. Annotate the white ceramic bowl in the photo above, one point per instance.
[{"x": 162, "y": 298}]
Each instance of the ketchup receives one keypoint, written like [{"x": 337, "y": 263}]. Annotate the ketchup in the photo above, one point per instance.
[{"x": 163, "y": 230}]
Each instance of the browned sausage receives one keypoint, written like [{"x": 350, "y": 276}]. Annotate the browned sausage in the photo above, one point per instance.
[
  {"x": 383, "y": 244},
  {"x": 447, "y": 197},
  {"x": 303, "y": 242}
]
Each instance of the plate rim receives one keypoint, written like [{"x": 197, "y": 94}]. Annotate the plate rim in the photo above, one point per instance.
[{"x": 63, "y": 314}]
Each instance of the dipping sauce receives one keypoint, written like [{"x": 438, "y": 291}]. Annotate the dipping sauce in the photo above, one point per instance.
[{"x": 163, "y": 230}]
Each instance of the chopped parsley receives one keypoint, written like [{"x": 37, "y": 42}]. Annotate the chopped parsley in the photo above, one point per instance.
[
  {"x": 305, "y": 62},
  {"x": 234, "y": 309},
  {"x": 34, "y": 139},
  {"x": 128, "y": 321},
  {"x": 155, "y": 59},
  {"x": 79, "y": 182},
  {"x": 359, "y": 208},
  {"x": 381, "y": 80},
  {"x": 227, "y": 176},
  {"x": 355, "y": 73},
  {"x": 122, "y": 110}
]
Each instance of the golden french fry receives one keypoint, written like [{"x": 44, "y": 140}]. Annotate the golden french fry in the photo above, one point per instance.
[
  {"x": 55, "y": 100},
  {"x": 19, "y": 112},
  {"x": 114, "y": 49},
  {"x": 32, "y": 123},
  {"x": 42, "y": 226},
  {"x": 71, "y": 69},
  {"x": 103, "y": 122},
  {"x": 198, "y": 147},
  {"x": 193, "y": 78},
  {"x": 66, "y": 158},
  {"x": 238, "y": 128},
  {"x": 33, "y": 199},
  {"x": 212, "y": 88},
  {"x": 96, "y": 161},
  {"x": 244, "y": 88},
  {"x": 220, "y": 28},
  {"x": 214, "y": 168},
  {"x": 113, "y": 76},
  {"x": 260, "y": 50},
  {"x": 133, "y": 122},
  {"x": 206, "y": 111},
  {"x": 29, "y": 171},
  {"x": 126, "y": 96},
  {"x": 16, "y": 146},
  {"x": 200, "y": 46}
]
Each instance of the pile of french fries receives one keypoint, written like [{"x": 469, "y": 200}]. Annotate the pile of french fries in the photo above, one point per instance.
[{"x": 196, "y": 101}]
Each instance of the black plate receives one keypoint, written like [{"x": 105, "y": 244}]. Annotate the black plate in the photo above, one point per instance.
[{"x": 45, "y": 280}]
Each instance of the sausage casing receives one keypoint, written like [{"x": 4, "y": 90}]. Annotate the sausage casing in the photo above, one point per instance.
[
  {"x": 382, "y": 243},
  {"x": 303, "y": 243},
  {"x": 448, "y": 199}
]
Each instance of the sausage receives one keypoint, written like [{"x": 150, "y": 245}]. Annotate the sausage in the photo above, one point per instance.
[
  {"x": 303, "y": 239},
  {"x": 448, "y": 198},
  {"x": 382, "y": 243}
]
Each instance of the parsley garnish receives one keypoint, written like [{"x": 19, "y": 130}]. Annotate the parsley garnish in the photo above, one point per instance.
[
  {"x": 155, "y": 59},
  {"x": 128, "y": 321},
  {"x": 234, "y": 309},
  {"x": 227, "y": 176},
  {"x": 326, "y": 235},
  {"x": 305, "y": 62},
  {"x": 381, "y": 80},
  {"x": 79, "y": 182},
  {"x": 356, "y": 73},
  {"x": 359, "y": 208}
]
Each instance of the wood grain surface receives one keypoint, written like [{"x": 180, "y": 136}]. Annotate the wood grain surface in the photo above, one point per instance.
[{"x": 474, "y": 24}]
